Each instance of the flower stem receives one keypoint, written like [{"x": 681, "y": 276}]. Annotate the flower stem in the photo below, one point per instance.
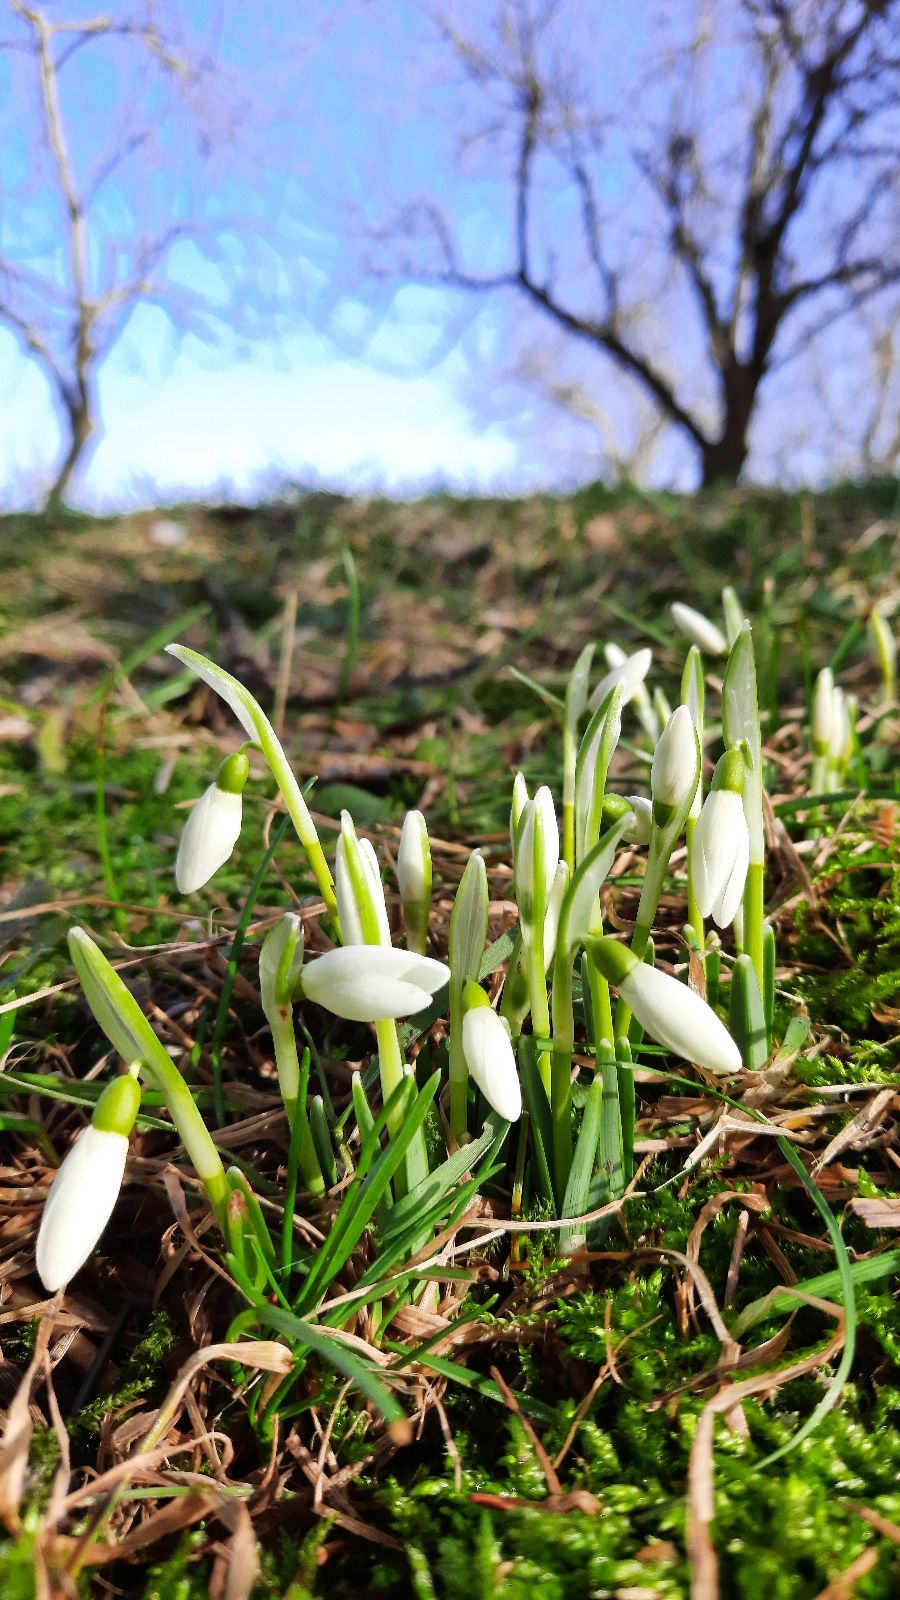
[
  {"x": 192, "y": 1131},
  {"x": 288, "y": 1063}
]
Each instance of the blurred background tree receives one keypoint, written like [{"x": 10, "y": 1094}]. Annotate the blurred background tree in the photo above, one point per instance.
[
  {"x": 693, "y": 210},
  {"x": 121, "y": 130}
]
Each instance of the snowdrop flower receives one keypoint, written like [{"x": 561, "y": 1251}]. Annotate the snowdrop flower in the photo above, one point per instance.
[
  {"x": 630, "y": 671},
  {"x": 617, "y": 806},
  {"x": 358, "y": 887},
  {"x": 639, "y": 830},
  {"x": 212, "y": 829},
  {"x": 372, "y": 983},
  {"x": 489, "y": 1054},
  {"x": 86, "y": 1187},
  {"x": 720, "y": 853},
  {"x": 674, "y": 772},
  {"x": 537, "y": 845},
  {"x": 699, "y": 629},
  {"x": 823, "y": 712},
  {"x": 643, "y": 705},
  {"x": 669, "y": 1011},
  {"x": 885, "y": 647},
  {"x": 554, "y": 906},
  {"x": 414, "y": 879},
  {"x": 733, "y": 613},
  {"x": 840, "y": 744}
]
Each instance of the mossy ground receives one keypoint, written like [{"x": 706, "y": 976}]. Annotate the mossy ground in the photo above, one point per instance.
[{"x": 102, "y": 739}]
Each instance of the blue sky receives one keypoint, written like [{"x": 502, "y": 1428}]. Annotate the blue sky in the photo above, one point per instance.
[
  {"x": 181, "y": 416},
  {"x": 206, "y": 423}
]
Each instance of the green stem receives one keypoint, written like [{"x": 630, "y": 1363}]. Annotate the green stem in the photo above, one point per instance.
[
  {"x": 694, "y": 917},
  {"x": 390, "y": 1066},
  {"x": 298, "y": 811},
  {"x": 192, "y": 1131},
  {"x": 627, "y": 1106},
  {"x": 287, "y": 1062},
  {"x": 561, "y": 1072},
  {"x": 639, "y": 943}
]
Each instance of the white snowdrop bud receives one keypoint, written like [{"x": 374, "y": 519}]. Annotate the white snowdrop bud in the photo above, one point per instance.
[
  {"x": 213, "y": 827},
  {"x": 630, "y": 671},
  {"x": 720, "y": 853},
  {"x": 86, "y": 1187},
  {"x": 537, "y": 846},
  {"x": 358, "y": 888},
  {"x": 674, "y": 772},
  {"x": 414, "y": 879},
  {"x": 823, "y": 712},
  {"x": 701, "y": 631},
  {"x": 840, "y": 746},
  {"x": 639, "y": 693},
  {"x": 639, "y": 830},
  {"x": 670, "y": 1012},
  {"x": 489, "y": 1054}
]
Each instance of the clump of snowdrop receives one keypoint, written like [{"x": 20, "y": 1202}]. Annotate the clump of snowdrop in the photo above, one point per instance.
[{"x": 553, "y": 1004}]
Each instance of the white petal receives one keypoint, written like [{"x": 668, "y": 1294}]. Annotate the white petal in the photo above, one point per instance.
[
  {"x": 699, "y": 629},
  {"x": 676, "y": 1017},
  {"x": 79, "y": 1205},
  {"x": 639, "y": 831},
  {"x": 350, "y": 920},
  {"x": 554, "y": 907},
  {"x": 209, "y": 837},
  {"x": 630, "y": 671},
  {"x": 544, "y": 802},
  {"x": 726, "y": 905},
  {"x": 370, "y": 862},
  {"x": 720, "y": 853},
  {"x": 673, "y": 773},
  {"x": 368, "y": 983},
  {"x": 490, "y": 1060},
  {"x": 412, "y": 857}
]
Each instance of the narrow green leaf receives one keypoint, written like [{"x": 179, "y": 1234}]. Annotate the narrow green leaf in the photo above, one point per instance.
[
  {"x": 746, "y": 1016},
  {"x": 781, "y": 1301},
  {"x": 328, "y": 1348},
  {"x": 575, "y": 1200}
]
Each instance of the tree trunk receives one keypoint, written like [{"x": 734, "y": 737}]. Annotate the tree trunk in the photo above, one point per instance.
[
  {"x": 723, "y": 459},
  {"x": 78, "y": 410}
]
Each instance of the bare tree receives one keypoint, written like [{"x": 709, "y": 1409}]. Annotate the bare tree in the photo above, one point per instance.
[
  {"x": 94, "y": 228},
  {"x": 694, "y": 206}
]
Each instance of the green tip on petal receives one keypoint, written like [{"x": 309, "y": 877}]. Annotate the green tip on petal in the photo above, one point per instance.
[
  {"x": 118, "y": 1106},
  {"x": 232, "y": 775},
  {"x": 613, "y": 959},
  {"x": 730, "y": 771},
  {"x": 615, "y": 807},
  {"x": 473, "y": 997}
]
